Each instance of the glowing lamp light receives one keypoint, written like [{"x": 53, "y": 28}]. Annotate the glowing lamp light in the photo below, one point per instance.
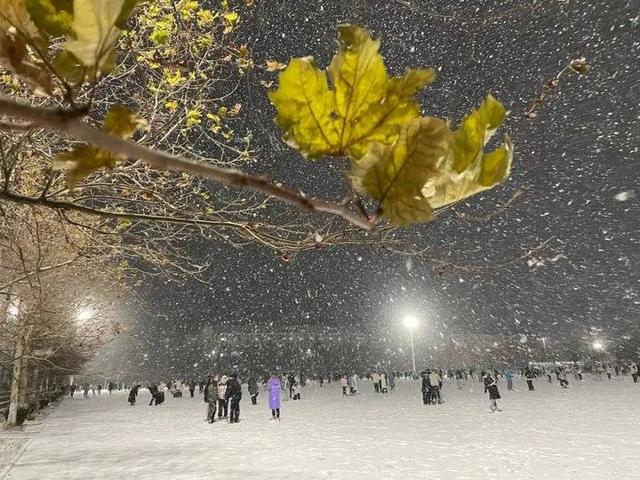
[
  {"x": 84, "y": 315},
  {"x": 410, "y": 322},
  {"x": 597, "y": 345}
]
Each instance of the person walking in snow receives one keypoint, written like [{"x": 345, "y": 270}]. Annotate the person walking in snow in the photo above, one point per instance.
[
  {"x": 529, "y": 376},
  {"x": 435, "y": 380},
  {"x": 634, "y": 372},
  {"x": 192, "y": 388},
  {"x": 425, "y": 387},
  {"x": 153, "y": 390},
  {"x": 290, "y": 381},
  {"x": 234, "y": 395},
  {"x": 353, "y": 384},
  {"x": 375, "y": 378},
  {"x": 562, "y": 378},
  {"x": 392, "y": 381},
  {"x": 491, "y": 386},
  {"x": 384, "y": 383},
  {"x": 211, "y": 397},
  {"x": 273, "y": 386},
  {"x": 252, "y": 385},
  {"x": 223, "y": 404},
  {"x": 509, "y": 376},
  {"x": 344, "y": 383},
  {"x": 85, "y": 389},
  {"x": 133, "y": 393},
  {"x": 297, "y": 391}
]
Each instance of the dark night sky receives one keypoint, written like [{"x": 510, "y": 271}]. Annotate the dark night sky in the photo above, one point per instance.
[{"x": 577, "y": 164}]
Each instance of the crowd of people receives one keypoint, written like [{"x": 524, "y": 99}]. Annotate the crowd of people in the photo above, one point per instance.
[{"x": 222, "y": 393}]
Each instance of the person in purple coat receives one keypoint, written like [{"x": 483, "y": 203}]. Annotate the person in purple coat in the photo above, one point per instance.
[{"x": 273, "y": 386}]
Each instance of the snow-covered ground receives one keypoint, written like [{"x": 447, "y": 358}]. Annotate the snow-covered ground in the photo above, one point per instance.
[{"x": 591, "y": 430}]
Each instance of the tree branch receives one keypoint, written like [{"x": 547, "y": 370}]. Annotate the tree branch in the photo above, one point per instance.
[{"x": 67, "y": 123}]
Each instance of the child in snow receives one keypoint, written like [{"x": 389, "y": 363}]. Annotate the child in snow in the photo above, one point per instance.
[
  {"x": 296, "y": 391},
  {"x": 344, "y": 383},
  {"x": 273, "y": 386},
  {"x": 491, "y": 386}
]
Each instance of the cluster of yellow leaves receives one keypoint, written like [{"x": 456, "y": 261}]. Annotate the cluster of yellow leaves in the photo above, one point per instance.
[
  {"x": 83, "y": 160},
  {"x": 408, "y": 164}
]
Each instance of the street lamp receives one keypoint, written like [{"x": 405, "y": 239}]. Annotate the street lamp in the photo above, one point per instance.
[
  {"x": 598, "y": 346},
  {"x": 411, "y": 322}
]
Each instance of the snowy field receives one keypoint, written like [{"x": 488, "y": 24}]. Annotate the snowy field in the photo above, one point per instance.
[{"x": 591, "y": 430}]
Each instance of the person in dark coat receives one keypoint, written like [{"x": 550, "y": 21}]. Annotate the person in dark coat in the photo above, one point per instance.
[
  {"x": 153, "y": 390},
  {"x": 211, "y": 398},
  {"x": 491, "y": 386},
  {"x": 133, "y": 393},
  {"x": 426, "y": 387},
  {"x": 234, "y": 394},
  {"x": 192, "y": 388},
  {"x": 529, "y": 375},
  {"x": 290, "y": 380},
  {"x": 252, "y": 385}
]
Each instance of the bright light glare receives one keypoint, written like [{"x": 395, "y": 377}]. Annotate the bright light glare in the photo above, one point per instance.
[
  {"x": 598, "y": 345},
  {"x": 84, "y": 314},
  {"x": 13, "y": 310},
  {"x": 410, "y": 322}
]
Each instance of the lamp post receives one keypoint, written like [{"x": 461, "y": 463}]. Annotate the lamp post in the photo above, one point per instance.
[{"x": 411, "y": 322}]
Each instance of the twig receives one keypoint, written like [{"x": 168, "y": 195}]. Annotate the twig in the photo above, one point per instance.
[{"x": 578, "y": 65}]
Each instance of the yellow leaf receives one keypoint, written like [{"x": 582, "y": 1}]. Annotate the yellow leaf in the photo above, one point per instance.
[
  {"x": 122, "y": 121},
  {"x": 487, "y": 172},
  {"x": 194, "y": 117},
  {"x": 95, "y": 31},
  {"x": 83, "y": 160},
  {"x": 467, "y": 170},
  {"x": 394, "y": 175},
  {"x": 476, "y": 130},
  {"x": 231, "y": 20},
  {"x": 363, "y": 106}
]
